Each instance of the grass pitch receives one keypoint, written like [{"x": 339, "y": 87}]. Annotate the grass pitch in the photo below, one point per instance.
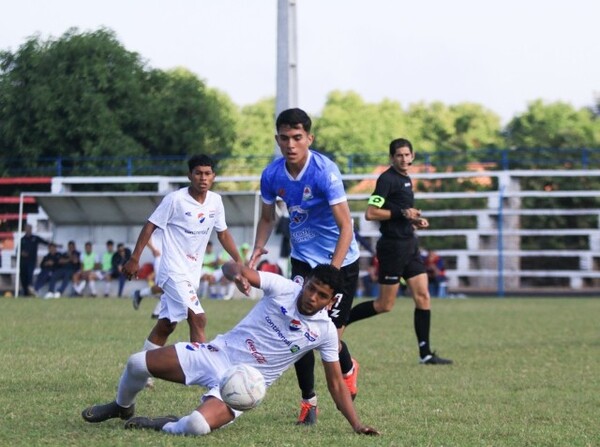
[{"x": 526, "y": 373}]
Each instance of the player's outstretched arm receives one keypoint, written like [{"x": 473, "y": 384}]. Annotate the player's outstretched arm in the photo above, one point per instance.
[
  {"x": 341, "y": 396},
  {"x": 264, "y": 229}
]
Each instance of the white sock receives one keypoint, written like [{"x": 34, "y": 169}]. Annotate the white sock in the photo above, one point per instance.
[
  {"x": 92, "y": 287},
  {"x": 107, "y": 288},
  {"x": 202, "y": 291},
  {"x": 192, "y": 424},
  {"x": 79, "y": 287},
  {"x": 133, "y": 379},
  {"x": 149, "y": 346},
  {"x": 156, "y": 310}
]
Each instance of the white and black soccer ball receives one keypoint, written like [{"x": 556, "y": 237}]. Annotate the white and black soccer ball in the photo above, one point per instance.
[{"x": 242, "y": 387}]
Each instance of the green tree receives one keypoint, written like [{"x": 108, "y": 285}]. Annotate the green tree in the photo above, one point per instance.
[
  {"x": 556, "y": 125},
  {"x": 357, "y": 133},
  {"x": 254, "y": 147},
  {"x": 85, "y": 95}
]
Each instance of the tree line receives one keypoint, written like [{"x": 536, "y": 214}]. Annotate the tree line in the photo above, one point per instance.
[{"x": 83, "y": 95}]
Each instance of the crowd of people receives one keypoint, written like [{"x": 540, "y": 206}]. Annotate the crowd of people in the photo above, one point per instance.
[
  {"x": 71, "y": 268},
  {"x": 310, "y": 311}
]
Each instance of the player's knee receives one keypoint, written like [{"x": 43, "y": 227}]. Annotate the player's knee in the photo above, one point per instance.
[
  {"x": 196, "y": 424},
  {"x": 136, "y": 365}
]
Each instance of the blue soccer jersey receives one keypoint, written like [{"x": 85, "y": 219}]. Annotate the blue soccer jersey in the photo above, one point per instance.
[{"x": 309, "y": 198}]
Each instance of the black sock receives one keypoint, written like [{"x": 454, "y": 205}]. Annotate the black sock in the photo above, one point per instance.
[
  {"x": 422, "y": 323},
  {"x": 345, "y": 358},
  {"x": 305, "y": 372},
  {"x": 362, "y": 311}
]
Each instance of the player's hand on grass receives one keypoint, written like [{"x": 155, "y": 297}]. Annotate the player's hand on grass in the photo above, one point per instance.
[{"x": 366, "y": 430}]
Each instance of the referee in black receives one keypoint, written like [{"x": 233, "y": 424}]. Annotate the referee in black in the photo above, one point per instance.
[{"x": 392, "y": 204}]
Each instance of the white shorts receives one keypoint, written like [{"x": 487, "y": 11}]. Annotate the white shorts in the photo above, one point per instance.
[
  {"x": 176, "y": 299},
  {"x": 203, "y": 364}
]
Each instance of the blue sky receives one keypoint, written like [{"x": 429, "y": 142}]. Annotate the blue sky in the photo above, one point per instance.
[{"x": 501, "y": 54}]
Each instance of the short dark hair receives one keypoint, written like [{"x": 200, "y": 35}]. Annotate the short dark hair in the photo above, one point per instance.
[
  {"x": 328, "y": 274},
  {"x": 294, "y": 118},
  {"x": 398, "y": 143},
  {"x": 200, "y": 160}
]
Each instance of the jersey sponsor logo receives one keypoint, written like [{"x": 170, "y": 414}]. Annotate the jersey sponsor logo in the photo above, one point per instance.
[
  {"x": 211, "y": 348},
  {"x": 201, "y": 217},
  {"x": 302, "y": 235},
  {"x": 307, "y": 193},
  {"x": 310, "y": 336},
  {"x": 394, "y": 278},
  {"x": 407, "y": 184},
  {"x": 277, "y": 331},
  {"x": 204, "y": 231},
  {"x": 297, "y": 216},
  {"x": 295, "y": 325},
  {"x": 188, "y": 214},
  {"x": 260, "y": 358}
]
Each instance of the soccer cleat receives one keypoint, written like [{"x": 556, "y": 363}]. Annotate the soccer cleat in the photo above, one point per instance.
[
  {"x": 99, "y": 413},
  {"x": 433, "y": 359},
  {"x": 157, "y": 424},
  {"x": 352, "y": 379},
  {"x": 136, "y": 299},
  {"x": 308, "y": 413},
  {"x": 49, "y": 295}
]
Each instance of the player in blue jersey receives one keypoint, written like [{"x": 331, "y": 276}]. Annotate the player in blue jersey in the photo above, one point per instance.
[{"x": 321, "y": 231}]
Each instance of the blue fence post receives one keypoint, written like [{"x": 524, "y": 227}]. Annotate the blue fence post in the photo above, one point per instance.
[
  {"x": 59, "y": 166},
  {"x": 501, "y": 242},
  {"x": 129, "y": 166},
  {"x": 505, "y": 164},
  {"x": 585, "y": 158}
]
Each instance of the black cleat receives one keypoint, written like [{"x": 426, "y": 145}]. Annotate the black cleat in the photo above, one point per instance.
[
  {"x": 142, "y": 422},
  {"x": 433, "y": 359},
  {"x": 136, "y": 299},
  {"x": 99, "y": 413}
]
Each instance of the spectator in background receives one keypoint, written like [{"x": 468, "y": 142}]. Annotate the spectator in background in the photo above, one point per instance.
[
  {"x": 436, "y": 273},
  {"x": 48, "y": 267},
  {"x": 69, "y": 262},
  {"x": 28, "y": 259},
  {"x": 118, "y": 260},
  {"x": 89, "y": 273},
  {"x": 106, "y": 266}
]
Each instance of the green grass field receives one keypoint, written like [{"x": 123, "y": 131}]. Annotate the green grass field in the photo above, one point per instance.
[{"x": 526, "y": 373}]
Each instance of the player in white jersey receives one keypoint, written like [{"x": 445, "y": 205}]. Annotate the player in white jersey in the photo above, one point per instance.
[
  {"x": 321, "y": 231},
  {"x": 186, "y": 217},
  {"x": 287, "y": 322}
]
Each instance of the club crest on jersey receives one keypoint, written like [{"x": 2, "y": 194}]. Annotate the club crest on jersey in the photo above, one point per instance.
[
  {"x": 307, "y": 193},
  {"x": 201, "y": 217},
  {"x": 298, "y": 279},
  {"x": 295, "y": 325},
  {"x": 294, "y": 348},
  {"x": 281, "y": 192},
  {"x": 193, "y": 346},
  {"x": 297, "y": 216}
]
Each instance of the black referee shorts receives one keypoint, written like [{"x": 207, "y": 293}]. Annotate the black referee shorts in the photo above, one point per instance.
[{"x": 398, "y": 258}]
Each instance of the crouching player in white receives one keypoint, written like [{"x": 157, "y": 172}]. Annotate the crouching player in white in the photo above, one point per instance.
[{"x": 287, "y": 322}]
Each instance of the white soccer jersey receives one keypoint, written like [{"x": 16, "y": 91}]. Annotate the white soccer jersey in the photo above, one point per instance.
[
  {"x": 187, "y": 226},
  {"x": 274, "y": 334}
]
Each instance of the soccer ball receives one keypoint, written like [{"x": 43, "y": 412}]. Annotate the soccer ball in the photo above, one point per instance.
[{"x": 242, "y": 387}]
